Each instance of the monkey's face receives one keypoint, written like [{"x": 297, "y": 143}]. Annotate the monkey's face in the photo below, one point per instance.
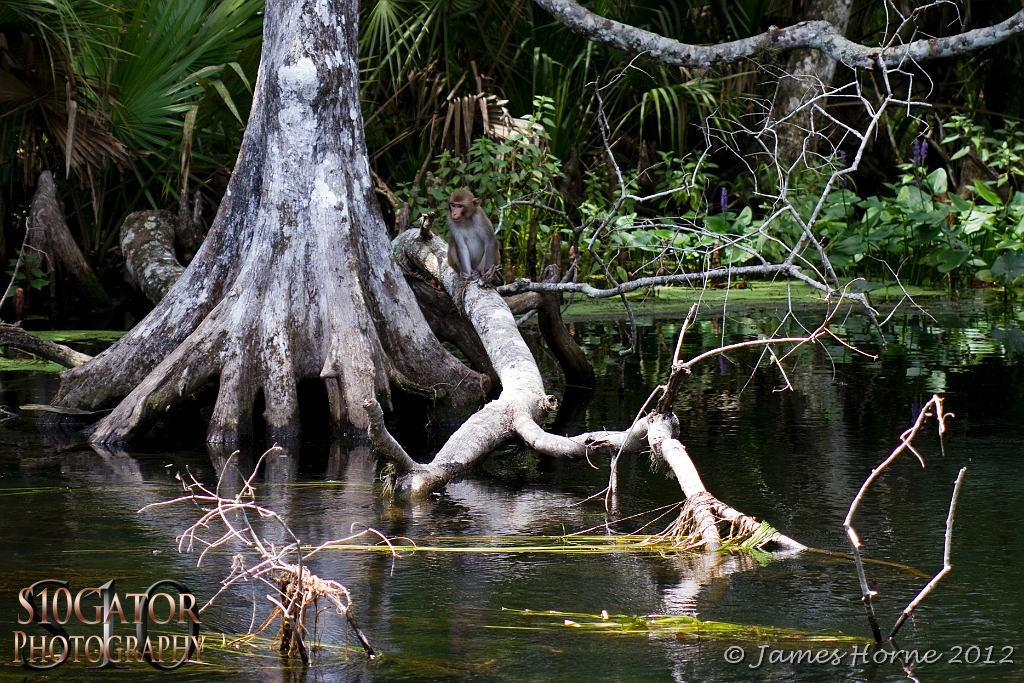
[
  {"x": 461, "y": 210},
  {"x": 457, "y": 210}
]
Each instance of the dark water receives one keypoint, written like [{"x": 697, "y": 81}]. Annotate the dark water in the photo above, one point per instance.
[{"x": 794, "y": 458}]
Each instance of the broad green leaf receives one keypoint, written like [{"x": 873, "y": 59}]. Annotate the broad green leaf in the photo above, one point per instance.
[
  {"x": 1009, "y": 266},
  {"x": 987, "y": 194},
  {"x": 937, "y": 181},
  {"x": 962, "y": 205},
  {"x": 717, "y": 223},
  {"x": 948, "y": 259},
  {"x": 977, "y": 220}
]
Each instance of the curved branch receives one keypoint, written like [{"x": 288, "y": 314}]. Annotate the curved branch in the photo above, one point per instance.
[
  {"x": 147, "y": 243},
  {"x": 591, "y": 292},
  {"x": 819, "y": 35},
  {"x": 517, "y": 412}
]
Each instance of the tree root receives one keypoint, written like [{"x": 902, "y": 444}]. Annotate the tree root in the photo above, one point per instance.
[
  {"x": 147, "y": 243},
  {"x": 48, "y": 232},
  {"x": 702, "y": 512}
]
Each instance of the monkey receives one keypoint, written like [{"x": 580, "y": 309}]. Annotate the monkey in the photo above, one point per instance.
[{"x": 472, "y": 249}]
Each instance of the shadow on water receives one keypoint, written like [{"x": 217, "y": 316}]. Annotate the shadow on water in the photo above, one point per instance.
[{"x": 449, "y": 611}]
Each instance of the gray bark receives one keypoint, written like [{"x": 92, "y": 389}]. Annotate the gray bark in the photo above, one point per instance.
[
  {"x": 295, "y": 279},
  {"x": 447, "y": 322},
  {"x": 705, "y": 508},
  {"x": 519, "y": 410},
  {"x": 48, "y": 232},
  {"x": 189, "y": 229},
  {"x": 818, "y": 35},
  {"x": 571, "y": 358},
  {"x": 147, "y": 243}
]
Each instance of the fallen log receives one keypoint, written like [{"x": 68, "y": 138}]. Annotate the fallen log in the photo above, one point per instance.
[
  {"x": 701, "y": 512},
  {"x": 15, "y": 337},
  {"x": 571, "y": 358},
  {"x": 518, "y": 410}
]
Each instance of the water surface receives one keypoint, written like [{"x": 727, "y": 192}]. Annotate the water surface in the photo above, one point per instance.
[{"x": 793, "y": 458}]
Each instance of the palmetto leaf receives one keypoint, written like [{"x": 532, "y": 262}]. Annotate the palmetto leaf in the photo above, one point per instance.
[{"x": 165, "y": 44}]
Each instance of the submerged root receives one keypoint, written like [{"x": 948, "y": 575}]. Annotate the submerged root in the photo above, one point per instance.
[
  {"x": 299, "y": 590},
  {"x": 690, "y": 530}
]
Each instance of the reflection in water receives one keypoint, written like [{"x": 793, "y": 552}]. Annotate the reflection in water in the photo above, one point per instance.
[{"x": 794, "y": 459}]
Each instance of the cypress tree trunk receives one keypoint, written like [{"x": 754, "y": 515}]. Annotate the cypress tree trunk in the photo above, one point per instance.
[
  {"x": 296, "y": 277},
  {"x": 808, "y": 73}
]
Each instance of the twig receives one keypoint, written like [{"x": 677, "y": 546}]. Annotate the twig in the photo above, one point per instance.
[
  {"x": 905, "y": 445},
  {"x": 946, "y": 565}
]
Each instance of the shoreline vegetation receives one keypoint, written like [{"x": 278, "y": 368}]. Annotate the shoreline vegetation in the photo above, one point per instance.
[{"x": 660, "y": 303}]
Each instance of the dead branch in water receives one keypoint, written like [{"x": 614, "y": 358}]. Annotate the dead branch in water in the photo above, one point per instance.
[
  {"x": 946, "y": 564},
  {"x": 295, "y": 589},
  {"x": 17, "y": 338},
  {"x": 701, "y": 513},
  {"x": 906, "y": 444}
]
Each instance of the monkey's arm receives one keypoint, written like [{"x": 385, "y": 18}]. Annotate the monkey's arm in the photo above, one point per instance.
[
  {"x": 491, "y": 256},
  {"x": 453, "y": 256},
  {"x": 462, "y": 252}
]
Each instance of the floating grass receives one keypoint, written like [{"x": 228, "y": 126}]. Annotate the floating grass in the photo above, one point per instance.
[
  {"x": 79, "y": 336},
  {"x": 669, "y": 625},
  {"x": 29, "y": 365},
  {"x": 586, "y": 544},
  {"x": 595, "y": 544},
  {"x": 32, "y": 490}
]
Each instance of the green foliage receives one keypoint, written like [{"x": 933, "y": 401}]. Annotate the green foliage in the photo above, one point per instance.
[
  {"x": 416, "y": 57},
  {"x": 934, "y": 232},
  {"x": 1002, "y": 151},
  {"x": 155, "y": 82},
  {"x": 518, "y": 168},
  {"x": 26, "y": 272}
]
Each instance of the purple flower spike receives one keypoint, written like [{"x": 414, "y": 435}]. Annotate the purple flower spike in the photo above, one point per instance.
[
  {"x": 920, "y": 149},
  {"x": 723, "y": 200}
]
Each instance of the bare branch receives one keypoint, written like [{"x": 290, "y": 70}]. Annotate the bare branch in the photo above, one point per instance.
[
  {"x": 295, "y": 586},
  {"x": 946, "y": 564},
  {"x": 819, "y": 35},
  {"x": 906, "y": 438}
]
